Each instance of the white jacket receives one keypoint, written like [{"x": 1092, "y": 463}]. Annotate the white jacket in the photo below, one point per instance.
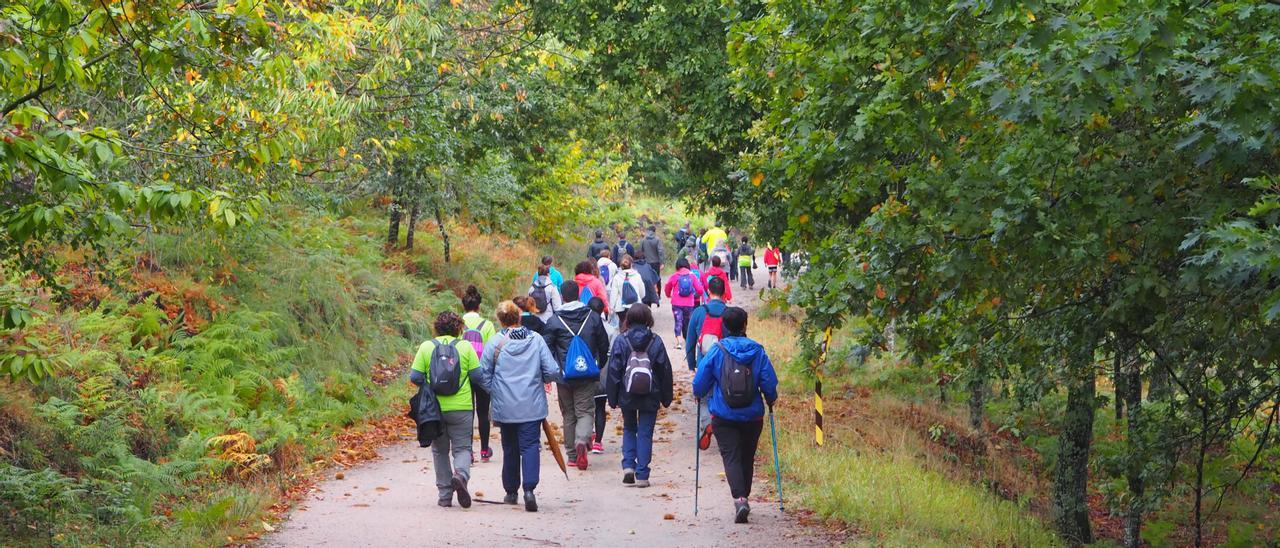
[{"x": 631, "y": 276}]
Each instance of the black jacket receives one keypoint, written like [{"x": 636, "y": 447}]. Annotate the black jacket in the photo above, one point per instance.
[
  {"x": 595, "y": 249},
  {"x": 639, "y": 337},
  {"x": 532, "y": 323},
  {"x": 621, "y": 248},
  {"x": 558, "y": 338},
  {"x": 652, "y": 248},
  {"x": 652, "y": 285}
]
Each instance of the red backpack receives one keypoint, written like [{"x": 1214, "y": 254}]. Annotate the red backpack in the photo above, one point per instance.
[{"x": 712, "y": 332}]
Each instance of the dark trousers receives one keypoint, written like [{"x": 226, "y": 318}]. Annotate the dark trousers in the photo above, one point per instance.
[
  {"x": 747, "y": 277},
  {"x": 601, "y": 415},
  {"x": 657, "y": 268},
  {"x": 521, "y": 443},
  {"x": 482, "y": 401},
  {"x": 733, "y": 268},
  {"x": 737, "y": 441}
]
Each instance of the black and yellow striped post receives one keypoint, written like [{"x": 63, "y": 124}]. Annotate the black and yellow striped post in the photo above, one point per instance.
[{"x": 817, "y": 388}]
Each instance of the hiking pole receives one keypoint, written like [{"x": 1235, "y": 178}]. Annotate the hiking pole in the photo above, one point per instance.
[
  {"x": 697, "y": 452},
  {"x": 777, "y": 465}
]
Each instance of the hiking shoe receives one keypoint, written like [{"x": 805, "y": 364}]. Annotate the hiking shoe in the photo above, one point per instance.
[
  {"x": 486, "y": 454},
  {"x": 629, "y": 476},
  {"x": 679, "y": 345},
  {"x": 459, "y": 484},
  {"x": 597, "y": 449},
  {"x": 581, "y": 451},
  {"x": 704, "y": 441},
  {"x": 642, "y": 483},
  {"x": 530, "y": 503},
  {"x": 445, "y": 503},
  {"x": 509, "y": 499},
  {"x": 740, "y": 510}
]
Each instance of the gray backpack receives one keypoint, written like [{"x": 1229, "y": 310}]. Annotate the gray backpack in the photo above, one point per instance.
[
  {"x": 638, "y": 378},
  {"x": 446, "y": 368}
]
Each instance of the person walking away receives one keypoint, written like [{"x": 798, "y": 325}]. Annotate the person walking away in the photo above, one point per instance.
[
  {"x": 606, "y": 267},
  {"x": 513, "y": 369},
  {"x": 576, "y": 333},
  {"x": 731, "y": 262},
  {"x": 549, "y": 262},
  {"x": 691, "y": 251},
  {"x": 746, "y": 265},
  {"x": 713, "y": 238},
  {"x": 626, "y": 288},
  {"x": 639, "y": 380},
  {"x": 735, "y": 374},
  {"x": 623, "y": 247},
  {"x": 682, "y": 288},
  {"x": 602, "y": 414},
  {"x": 529, "y": 314},
  {"x": 682, "y": 237},
  {"x": 545, "y": 293},
  {"x": 772, "y": 260},
  {"x": 704, "y": 252},
  {"x": 717, "y": 272},
  {"x": 706, "y": 328},
  {"x": 653, "y": 251},
  {"x": 589, "y": 285},
  {"x": 652, "y": 283},
  {"x": 598, "y": 245},
  {"x": 478, "y": 332},
  {"x": 448, "y": 364}
]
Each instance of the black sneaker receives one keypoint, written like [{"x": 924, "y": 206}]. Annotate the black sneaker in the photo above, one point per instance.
[
  {"x": 530, "y": 503},
  {"x": 460, "y": 488},
  {"x": 509, "y": 499},
  {"x": 740, "y": 510},
  {"x": 445, "y": 503},
  {"x": 628, "y": 476}
]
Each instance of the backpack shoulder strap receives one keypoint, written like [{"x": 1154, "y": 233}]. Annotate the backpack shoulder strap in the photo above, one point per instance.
[{"x": 570, "y": 330}]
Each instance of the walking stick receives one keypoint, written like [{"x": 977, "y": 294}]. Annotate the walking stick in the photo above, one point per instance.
[
  {"x": 777, "y": 465},
  {"x": 697, "y": 452},
  {"x": 555, "y": 448}
]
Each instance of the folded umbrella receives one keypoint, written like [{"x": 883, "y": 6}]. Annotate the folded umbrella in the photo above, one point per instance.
[{"x": 555, "y": 448}]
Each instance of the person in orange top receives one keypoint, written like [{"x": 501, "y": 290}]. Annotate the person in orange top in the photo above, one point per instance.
[
  {"x": 718, "y": 272},
  {"x": 589, "y": 283}
]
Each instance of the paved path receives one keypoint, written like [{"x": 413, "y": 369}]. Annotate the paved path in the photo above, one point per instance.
[{"x": 391, "y": 501}]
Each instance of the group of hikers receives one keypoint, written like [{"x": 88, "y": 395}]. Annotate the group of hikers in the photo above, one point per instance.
[{"x": 592, "y": 338}]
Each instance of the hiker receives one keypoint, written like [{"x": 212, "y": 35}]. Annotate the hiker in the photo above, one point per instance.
[
  {"x": 545, "y": 292},
  {"x": 589, "y": 284},
  {"x": 731, "y": 260},
  {"x": 455, "y": 362},
  {"x": 717, "y": 272},
  {"x": 549, "y": 262},
  {"x": 772, "y": 260},
  {"x": 593, "y": 251},
  {"x": 704, "y": 253},
  {"x": 576, "y": 336},
  {"x": 652, "y": 283},
  {"x": 682, "y": 237},
  {"x": 529, "y": 314},
  {"x": 690, "y": 251},
  {"x": 627, "y": 287},
  {"x": 623, "y": 247},
  {"x": 605, "y": 266},
  {"x": 478, "y": 332},
  {"x": 602, "y": 415},
  {"x": 651, "y": 246},
  {"x": 712, "y": 240},
  {"x": 734, "y": 374},
  {"x": 639, "y": 380},
  {"x": 746, "y": 265},
  {"x": 512, "y": 369},
  {"x": 706, "y": 328},
  {"x": 681, "y": 288}
]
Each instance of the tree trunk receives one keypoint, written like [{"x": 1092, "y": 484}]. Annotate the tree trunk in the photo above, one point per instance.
[
  {"x": 413, "y": 222},
  {"x": 1071, "y": 475},
  {"x": 393, "y": 230},
  {"x": 1120, "y": 379},
  {"x": 1202, "y": 451},
  {"x": 1138, "y": 451},
  {"x": 977, "y": 397},
  {"x": 444, "y": 232}
]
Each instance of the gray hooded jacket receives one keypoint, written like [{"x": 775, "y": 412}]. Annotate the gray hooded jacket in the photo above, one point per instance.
[{"x": 515, "y": 364}]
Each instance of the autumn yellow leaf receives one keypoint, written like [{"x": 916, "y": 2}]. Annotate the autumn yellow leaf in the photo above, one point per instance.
[{"x": 757, "y": 178}]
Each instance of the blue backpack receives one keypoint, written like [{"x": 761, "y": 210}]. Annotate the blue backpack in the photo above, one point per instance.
[
  {"x": 585, "y": 295},
  {"x": 686, "y": 286},
  {"x": 579, "y": 364},
  {"x": 604, "y": 273}
]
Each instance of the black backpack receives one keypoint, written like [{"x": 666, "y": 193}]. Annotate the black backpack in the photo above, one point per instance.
[
  {"x": 737, "y": 382},
  {"x": 539, "y": 295},
  {"x": 446, "y": 368}
]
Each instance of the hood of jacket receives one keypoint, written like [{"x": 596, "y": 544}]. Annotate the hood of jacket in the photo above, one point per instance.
[
  {"x": 742, "y": 349},
  {"x": 716, "y": 308},
  {"x": 639, "y": 337},
  {"x": 716, "y": 271},
  {"x": 574, "y": 313},
  {"x": 524, "y": 349},
  {"x": 585, "y": 280}
]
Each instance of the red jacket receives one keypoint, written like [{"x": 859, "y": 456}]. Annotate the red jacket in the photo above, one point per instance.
[
  {"x": 719, "y": 273},
  {"x": 597, "y": 288},
  {"x": 772, "y": 256}
]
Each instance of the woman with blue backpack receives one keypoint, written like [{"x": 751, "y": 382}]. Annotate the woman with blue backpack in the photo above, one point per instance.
[
  {"x": 683, "y": 288},
  {"x": 478, "y": 332},
  {"x": 626, "y": 288},
  {"x": 639, "y": 380}
]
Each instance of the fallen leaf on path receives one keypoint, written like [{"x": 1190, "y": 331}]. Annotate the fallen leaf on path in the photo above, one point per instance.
[
  {"x": 668, "y": 517},
  {"x": 360, "y": 505},
  {"x": 381, "y": 488},
  {"x": 339, "y": 476}
]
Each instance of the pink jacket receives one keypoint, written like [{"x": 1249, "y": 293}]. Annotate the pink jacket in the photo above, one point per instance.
[
  {"x": 672, "y": 288},
  {"x": 597, "y": 288},
  {"x": 719, "y": 273}
]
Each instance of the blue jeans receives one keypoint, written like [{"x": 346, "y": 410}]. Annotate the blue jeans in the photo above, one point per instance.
[
  {"x": 637, "y": 440},
  {"x": 521, "y": 443}
]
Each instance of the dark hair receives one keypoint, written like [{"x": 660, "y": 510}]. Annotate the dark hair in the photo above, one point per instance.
[
  {"x": 682, "y": 262},
  {"x": 596, "y": 304},
  {"x": 715, "y": 260},
  {"x": 744, "y": 239},
  {"x": 448, "y": 323},
  {"x": 584, "y": 267},
  {"x": 735, "y": 322},
  {"x": 715, "y": 286},
  {"x": 544, "y": 270},
  {"x": 638, "y": 315},
  {"x": 525, "y": 302},
  {"x": 639, "y": 255},
  {"x": 653, "y": 228},
  {"x": 547, "y": 260},
  {"x": 599, "y": 233},
  {"x": 569, "y": 291},
  {"x": 471, "y": 299}
]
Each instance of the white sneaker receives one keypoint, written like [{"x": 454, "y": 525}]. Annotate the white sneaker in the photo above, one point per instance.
[{"x": 642, "y": 483}]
